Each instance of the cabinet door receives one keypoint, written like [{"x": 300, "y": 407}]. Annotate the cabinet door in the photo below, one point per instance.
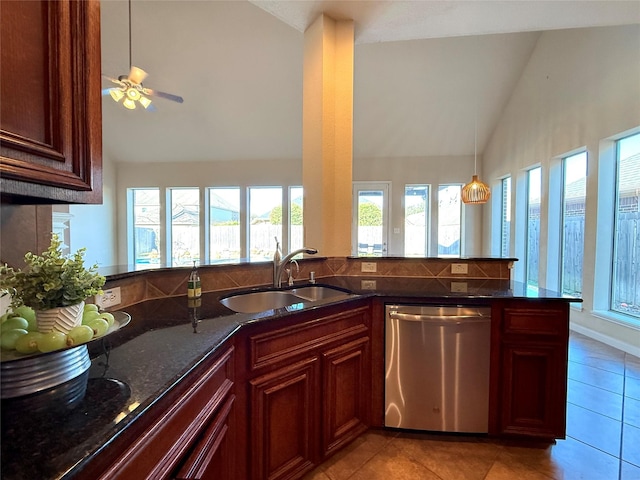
[
  {"x": 50, "y": 113},
  {"x": 533, "y": 394},
  {"x": 346, "y": 394},
  {"x": 283, "y": 425},
  {"x": 213, "y": 456}
]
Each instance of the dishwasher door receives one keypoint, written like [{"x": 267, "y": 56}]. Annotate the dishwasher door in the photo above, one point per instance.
[{"x": 437, "y": 368}]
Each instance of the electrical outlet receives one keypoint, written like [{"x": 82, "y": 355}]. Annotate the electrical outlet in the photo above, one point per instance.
[
  {"x": 369, "y": 267},
  {"x": 460, "y": 268},
  {"x": 458, "y": 287},
  {"x": 368, "y": 284},
  {"x": 110, "y": 298}
]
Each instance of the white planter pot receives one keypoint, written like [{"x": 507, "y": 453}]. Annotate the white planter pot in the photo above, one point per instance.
[{"x": 61, "y": 319}]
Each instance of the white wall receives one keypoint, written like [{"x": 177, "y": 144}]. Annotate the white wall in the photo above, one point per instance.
[
  {"x": 94, "y": 227},
  {"x": 579, "y": 88}
]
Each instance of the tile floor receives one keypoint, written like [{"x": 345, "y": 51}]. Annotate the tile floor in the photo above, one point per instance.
[{"x": 603, "y": 436}]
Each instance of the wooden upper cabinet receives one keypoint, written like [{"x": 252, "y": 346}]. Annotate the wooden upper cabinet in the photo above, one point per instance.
[{"x": 50, "y": 114}]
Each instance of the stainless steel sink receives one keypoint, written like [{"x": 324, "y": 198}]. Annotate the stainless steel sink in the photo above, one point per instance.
[
  {"x": 255, "y": 302},
  {"x": 318, "y": 292}
]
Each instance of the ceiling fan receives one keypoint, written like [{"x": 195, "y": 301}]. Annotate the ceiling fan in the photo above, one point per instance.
[{"x": 129, "y": 87}]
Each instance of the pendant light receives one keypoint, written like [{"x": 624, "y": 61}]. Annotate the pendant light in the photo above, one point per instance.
[{"x": 476, "y": 192}]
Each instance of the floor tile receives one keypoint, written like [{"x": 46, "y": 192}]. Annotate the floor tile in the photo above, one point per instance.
[
  {"x": 631, "y": 444},
  {"x": 632, "y": 387},
  {"x": 629, "y": 472},
  {"x": 450, "y": 457},
  {"x": 575, "y": 460},
  {"x": 595, "y": 399},
  {"x": 632, "y": 366},
  {"x": 594, "y": 429},
  {"x": 391, "y": 463},
  {"x": 604, "y": 379},
  {"x": 631, "y": 412}
]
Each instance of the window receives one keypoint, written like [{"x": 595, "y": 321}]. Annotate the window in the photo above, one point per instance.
[
  {"x": 224, "y": 224},
  {"x": 369, "y": 227},
  {"x": 533, "y": 226},
  {"x": 185, "y": 226},
  {"x": 574, "y": 173},
  {"x": 416, "y": 220},
  {"x": 449, "y": 220},
  {"x": 296, "y": 233},
  {"x": 625, "y": 288},
  {"x": 265, "y": 221},
  {"x": 505, "y": 218},
  {"x": 146, "y": 225}
]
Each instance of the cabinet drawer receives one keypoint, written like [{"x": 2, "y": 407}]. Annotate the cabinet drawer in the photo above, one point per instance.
[
  {"x": 164, "y": 444},
  {"x": 548, "y": 322},
  {"x": 272, "y": 347}
]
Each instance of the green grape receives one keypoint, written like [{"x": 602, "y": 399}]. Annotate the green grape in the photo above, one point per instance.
[
  {"x": 28, "y": 343},
  {"x": 52, "y": 341},
  {"x": 108, "y": 317},
  {"x": 10, "y": 337},
  {"x": 89, "y": 315},
  {"x": 27, "y": 313},
  {"x": 78, "y": 335},
  {"x": 15, "y": 322},
  {"x": 99, "y": 326},
  {"x": 90, "y": 307},
  {"x": 6, "y": 316}
]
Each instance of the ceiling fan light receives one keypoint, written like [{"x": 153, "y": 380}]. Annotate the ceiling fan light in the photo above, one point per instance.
[
  {"x": 476, "y": 192},
  {"x": 130, "y": 104},
  {"x": 137, "y": 75},
  {"x": 133, "y": 94},
  {"x": 116, "y": 94},
  {"x": 144, "y": 101}
]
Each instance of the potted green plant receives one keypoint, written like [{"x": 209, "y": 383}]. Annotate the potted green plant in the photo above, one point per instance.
[{"x": 53, "y": 284}]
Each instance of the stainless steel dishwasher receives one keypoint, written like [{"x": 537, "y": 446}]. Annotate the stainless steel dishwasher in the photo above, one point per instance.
[{"x": 437, "y": 367}]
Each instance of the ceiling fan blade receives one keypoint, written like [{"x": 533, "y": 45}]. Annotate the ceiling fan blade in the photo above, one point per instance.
[
  {"x": 168, "y": 96},
  {"x": 111, "y": 79},
  {"x": 137, "y": 75}
]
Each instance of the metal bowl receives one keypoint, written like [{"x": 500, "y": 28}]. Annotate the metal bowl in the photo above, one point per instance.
[{"x": 26, "y": 374}]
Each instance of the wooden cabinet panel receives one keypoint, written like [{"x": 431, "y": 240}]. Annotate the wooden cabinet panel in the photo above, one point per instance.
[
  {"x": 346, "y": 394},
  {"x": 213, "y": 458},
  {"x": 284, "y": 412},
  {"x": 269, "y": 348},
  {"x": 534, "y": 400},
  {"x": 529, "y": 321},
  {"x": 171, "y": 438},
  {"x": 51, "y": 110}
]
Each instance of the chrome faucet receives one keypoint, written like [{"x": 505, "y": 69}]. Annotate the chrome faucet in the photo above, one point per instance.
[{"x": 278, "y": 265}]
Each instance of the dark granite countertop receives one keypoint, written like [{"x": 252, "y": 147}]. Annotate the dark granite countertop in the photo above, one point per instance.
[{"x": 51, "y": 434}]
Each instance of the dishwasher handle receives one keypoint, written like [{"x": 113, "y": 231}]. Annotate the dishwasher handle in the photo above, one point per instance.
[{"x": 412, "y": 317}]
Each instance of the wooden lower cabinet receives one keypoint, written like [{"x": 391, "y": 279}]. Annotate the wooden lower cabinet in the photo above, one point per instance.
[
  {"x": 311, "y": 393},
  {"x": 533, "y": 370},
  {"x": 284, "y": 421},
  {"x": 346, "y": 394},
  {"x": 188, "y": 435}
]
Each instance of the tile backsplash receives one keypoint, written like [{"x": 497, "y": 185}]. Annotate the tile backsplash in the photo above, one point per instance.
[{"x": 141, "y": 286}]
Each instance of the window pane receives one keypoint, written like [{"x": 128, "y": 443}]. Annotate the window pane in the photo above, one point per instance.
[
  {"x": 416, "y": 208},
  {"x": 505, "y": 224},
  {"x": 449, "y": 212},
  {"x": 146, "y": 226},
  {"x": 533, "y": 226},
  {"x": 574, "y": 192},
  {"x": 224, "y": 223},
  {"x": 265, "y": 217},
  {"x": 625, "y": 296},
  {"x": 185, "y": 226},
  {"x": 370, "y": 222},
  {"x": 296, "y": 234}
]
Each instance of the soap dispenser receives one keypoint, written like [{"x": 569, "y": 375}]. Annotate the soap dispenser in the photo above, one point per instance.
[{"x": 194, "y": 288}]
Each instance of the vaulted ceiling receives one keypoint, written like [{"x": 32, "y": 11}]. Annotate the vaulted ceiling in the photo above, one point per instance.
[{"x": 423, "y": 71}]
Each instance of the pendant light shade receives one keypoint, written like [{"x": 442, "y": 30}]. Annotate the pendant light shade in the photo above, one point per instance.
[{"x": 476, "y": 192}]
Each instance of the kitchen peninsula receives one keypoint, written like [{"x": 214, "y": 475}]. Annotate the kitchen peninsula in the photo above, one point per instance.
[{"x": 274, "y": 393}]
